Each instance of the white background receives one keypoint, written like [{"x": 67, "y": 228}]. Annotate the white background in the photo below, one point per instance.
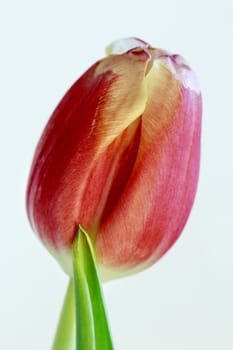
[{"x": 184, "y": 301}]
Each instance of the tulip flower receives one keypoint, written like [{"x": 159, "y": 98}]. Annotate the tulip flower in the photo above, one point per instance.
[
  {"x": 114, "y": 176},
  {"x": 120, "y": 156}
]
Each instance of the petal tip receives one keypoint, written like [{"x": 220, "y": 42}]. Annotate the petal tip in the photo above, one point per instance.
[
  {"x": 120, "y": 46},
  {"x": 181, "y": 70}
]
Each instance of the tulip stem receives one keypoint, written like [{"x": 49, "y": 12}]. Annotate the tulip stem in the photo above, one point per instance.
[
  {"x": 92, "y": 330},
  {"x": 65, "y": 335}
]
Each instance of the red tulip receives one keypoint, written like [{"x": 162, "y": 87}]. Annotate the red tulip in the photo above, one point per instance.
[{"x": 120, "y": 156}]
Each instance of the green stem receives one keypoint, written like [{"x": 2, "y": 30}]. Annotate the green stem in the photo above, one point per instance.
[
  {"x": 65, "y": 335},
  {"x": 92, "y": 331}
]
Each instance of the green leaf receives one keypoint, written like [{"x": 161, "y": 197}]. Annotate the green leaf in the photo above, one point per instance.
[{"x": 92, "y": 330}]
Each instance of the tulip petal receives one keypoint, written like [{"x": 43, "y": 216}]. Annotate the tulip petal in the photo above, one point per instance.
[
  {"x": 158, "y": 197},
  {"x": 103, "y": 103}
]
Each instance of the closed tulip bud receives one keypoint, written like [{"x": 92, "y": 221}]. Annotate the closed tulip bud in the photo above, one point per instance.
[{"x": 120, "y": 156}]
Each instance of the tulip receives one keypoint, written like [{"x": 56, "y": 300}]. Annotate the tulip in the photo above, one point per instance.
[{"x": 120, "y": 155}]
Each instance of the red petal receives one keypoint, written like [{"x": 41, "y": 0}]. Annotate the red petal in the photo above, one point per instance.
[
  {"x": 97, "y": 109},
  {"x": 157, "y": 200}
]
